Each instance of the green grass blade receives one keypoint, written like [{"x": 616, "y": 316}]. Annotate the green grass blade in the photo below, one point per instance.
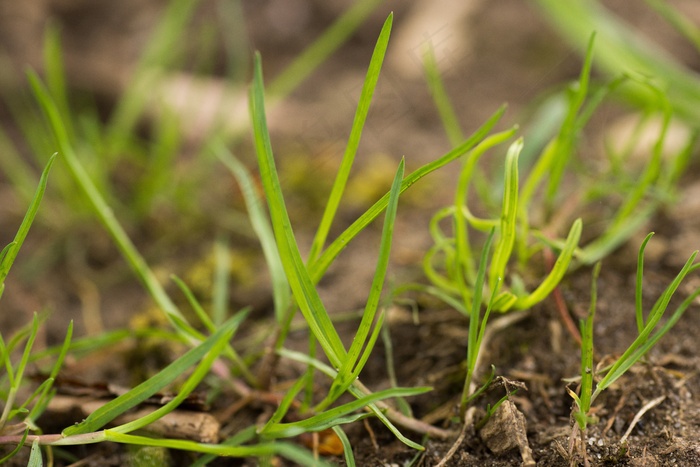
[
  {"x": 35, "y": 458},
  {"x": 332, "y": 416},
  {"x": 350, "y": 367},
  {"x": 509, "y": 211},
  {"x": 190, "y": 385},
  {"x": 465, "y": 262},
  {"x": 289, "y": 451},
  {"x": 642, "y": 344},
  {"x": 584, "y": 400},
  {"x": 301, "y": 284},
  {"x": 261, "y": 225},
  {"x": 358, "y": 123},
  {"x": 639, "y": 312},
  {"x": 557, "y": 273},
  {"x": 357, "y": 392},
  {"x": 283, "y": 406},
  {"x": 143, "y": 391},
  {"x": 474, "y": 322},
  {"x": 347, "y": 447},
  {"x": 44, "y": 396},
  {"x": 9, "y": 253},
  {"x": 318, "y": 268},
  {"x": 447, "y": 113}
]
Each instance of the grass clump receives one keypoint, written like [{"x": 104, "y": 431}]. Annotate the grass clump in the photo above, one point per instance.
[
  {"x": 650, "y": 329},
  {"x": 480, "y": 264}
]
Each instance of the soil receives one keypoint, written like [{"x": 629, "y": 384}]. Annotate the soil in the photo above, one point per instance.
[{"x": 489, "y": 53}]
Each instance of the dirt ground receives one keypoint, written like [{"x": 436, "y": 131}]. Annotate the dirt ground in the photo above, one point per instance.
[{"x": 489, "y": 53}]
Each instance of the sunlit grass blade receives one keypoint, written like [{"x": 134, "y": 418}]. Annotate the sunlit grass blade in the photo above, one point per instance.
[
  {"x": 261, "y": 225},
  {"x": 9, "y": 253},
  {"x": 143, "y": 391},
  {"x": 358, "y": 123},
  {"x": 319, "y": 267},
  {"x": 301, "y": 284}
]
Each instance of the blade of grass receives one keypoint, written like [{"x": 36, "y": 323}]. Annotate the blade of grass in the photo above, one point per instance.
[
  {"x": 509, "y": 211},
  {"x": 261, "y": 225},
  {"x": 350, "y": 368},
  {"x": 190, "y": 385},
  {"x": 9, "y": 253},
  {"x": 290, "y": 451},
  {"x": 143, "y": 391},
  {"x": 358, "y": 123},
  {"x": 447, "y": 113},
  {"x": 474, "y": 323},
  {"x": 302, "y": 287},
  {"x": 639, "y": 312},
  {"x": 331, "y": 417},
  {"x": 642, "y": 344},
  {"x": 557, "y": 273}
]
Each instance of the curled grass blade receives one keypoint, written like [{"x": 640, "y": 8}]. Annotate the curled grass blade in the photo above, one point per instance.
[
  {"x": 358, "y": 123},
  {"x": 509, "y": 211},
  {"x": 301, "y": 284},
  {"x": 557, "y": 273},
  {"x": 143, "y": 391}
]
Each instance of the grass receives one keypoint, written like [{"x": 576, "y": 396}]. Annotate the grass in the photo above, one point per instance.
[{"x": 487, "y": 266}]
